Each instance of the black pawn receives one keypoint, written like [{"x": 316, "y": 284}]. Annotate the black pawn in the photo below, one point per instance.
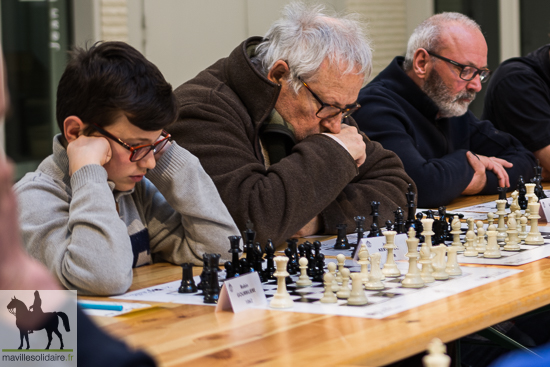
[
  {"x": 270, "y": 265},
  {"x": 399, "y": 222},
  {"x": 359, "y": 229},
  {"x": 522, "y": 200},
  {"x": 341, "y": 239},
  {"x": 187, "y": 281}
]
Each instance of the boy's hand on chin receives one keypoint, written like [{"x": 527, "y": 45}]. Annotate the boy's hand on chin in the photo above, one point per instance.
[{"x": 88, "y": 150}]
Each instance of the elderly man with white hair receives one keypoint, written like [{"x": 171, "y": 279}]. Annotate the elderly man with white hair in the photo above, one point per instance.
[
  {"x": 418, "y": 108},
  {"x": 270, "y": 123}
]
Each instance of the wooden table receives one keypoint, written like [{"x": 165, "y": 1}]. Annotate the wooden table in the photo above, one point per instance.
[{"x": 194, "y": 335}]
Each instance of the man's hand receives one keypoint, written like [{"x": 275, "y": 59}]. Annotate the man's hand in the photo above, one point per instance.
[
  {"x": 311, "y": 228},
  {"x": 88, "y": 150},
  {"x": 480, "y": 164},
  {"x": 351, "y": 138}
]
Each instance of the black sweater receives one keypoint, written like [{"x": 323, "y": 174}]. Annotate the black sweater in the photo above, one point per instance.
[{"x": 399, "y": 115}]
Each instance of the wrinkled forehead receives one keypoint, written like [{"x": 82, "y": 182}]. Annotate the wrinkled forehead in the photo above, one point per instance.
[{"x": 463, "y": 44}]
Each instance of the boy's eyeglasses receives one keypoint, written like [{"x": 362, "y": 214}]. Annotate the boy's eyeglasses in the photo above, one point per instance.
[
  {"x": 139, "y": 152},
  {"x": 327, "y": 110},
  {"x": 467, "y": 72}
]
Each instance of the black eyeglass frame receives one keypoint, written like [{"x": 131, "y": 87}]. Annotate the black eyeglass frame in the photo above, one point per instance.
[
  {"x": 346, "y": 111},
  {"x": 166, "y": 137},
  {"x": 483, "y": 73}
]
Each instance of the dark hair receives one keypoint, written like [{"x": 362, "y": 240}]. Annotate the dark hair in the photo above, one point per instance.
[{"x": 110, "y": 79}]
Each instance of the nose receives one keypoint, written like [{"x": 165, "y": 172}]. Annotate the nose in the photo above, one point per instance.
[
  {"x": 148, "y": 161},
  {"x": 332, "y": 125},
  {"x": 475, "y": 84}
]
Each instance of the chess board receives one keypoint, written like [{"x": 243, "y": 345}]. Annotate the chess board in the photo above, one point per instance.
[{"x": 389, "y": 301}]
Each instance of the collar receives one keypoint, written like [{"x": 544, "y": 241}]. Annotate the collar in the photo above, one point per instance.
[
  {"x": 257, "y": 93},
  {"x": 399, "y": 82}
]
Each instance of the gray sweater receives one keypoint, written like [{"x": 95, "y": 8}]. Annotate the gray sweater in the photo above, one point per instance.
[{"x": 71, "y": 223}]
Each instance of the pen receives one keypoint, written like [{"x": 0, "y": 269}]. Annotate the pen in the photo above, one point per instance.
[{"x": 95, "y": 306}]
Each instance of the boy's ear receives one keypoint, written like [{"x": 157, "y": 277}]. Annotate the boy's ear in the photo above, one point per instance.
[{"x": 73, "y": 128}]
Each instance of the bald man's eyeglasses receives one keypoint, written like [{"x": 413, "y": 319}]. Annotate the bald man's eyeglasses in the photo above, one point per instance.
[
  {"x": 467, "y": 72},
  {"x": 327, "y": 110}
]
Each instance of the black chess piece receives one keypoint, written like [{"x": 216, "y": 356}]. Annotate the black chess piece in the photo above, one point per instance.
[
  {"x": 411, "y": 196},
  {"x": 419, "y": 227},
  {"x": 244, "y": 266},
  {"x": 375, "y": 230},
  {"x": 234, "y": 250},
  {"x": 212, "y": 289},
  {"x": 248, "y": 237},
  {"x": 502, "y": 195},
  {"x": 319, "y": 270},
  {"x": 290, "y": 267},
  {"x": 522, "y": 190},
  {"x": 537, "y": 180},
  {"x": 399, "y": 223},
  {"x": 231, "y": 270},
  {"x": 302, "y": 249},
  {"x": 359, "y": 229},
  {"x": 270, "y": 265},
  {"x": 444, "y": 225},
  {"x": 341, "y": 239},
  {"x": 258, "y": 260},
  {"x": 187, "y": 281},
  {"x": 317, "y": 247},
  {"x": 204, "y": 270},
  {"x": 389, "y": 225}
]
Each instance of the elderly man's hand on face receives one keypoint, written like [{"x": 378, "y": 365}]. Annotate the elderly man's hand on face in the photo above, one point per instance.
[
  {"x": 480, "y": 164},
  {"x": 353, "y": 141}
]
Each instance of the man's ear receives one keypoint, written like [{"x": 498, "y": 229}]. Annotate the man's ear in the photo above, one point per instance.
[
  {"x": 278, "y": 71},
  {"x": 73, "y": 128},
  {"x": 421, "y": 63}
]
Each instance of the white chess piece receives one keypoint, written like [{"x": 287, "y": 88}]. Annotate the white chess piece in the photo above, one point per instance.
[
  {"x": 436, "y": 356},
  {"x": 490, "y": 219},
  {"x": 331, "y": 267},
  {"x": 303, "y": 280},
  {"x": 375, "y": 274},
  {"x": 390, "y": 269},
  {"x": 512, "y": 243},
  {"x": 470, "y": 248},
  {"x": 452, "y": 267},
  {"x": 515, "y": 204},
  {"x": 413, "y": 278},
  {"x": 426, "y": 262},
  {"x": 456, "y": 232},
  {"x": 281, "y": 299},
  {"x": 481, "y": 241},
  {"x": 439, "y": 263},
  {"x": 357, "y": 296},
  {"x": 501, "y": 228},
  {"x": 328, "y": 296},
  {"x": 523, "y": 232},
  {"x": 534, "y": 237},
  {"x": 530, "y": 195},
  {"x": 344, "y": 291},
  {"x": 493, "y": 249},
  {"x": 364, "y": 262},
  {"x": 341, "y": 258},
  {"x": 427, "y": 224}
]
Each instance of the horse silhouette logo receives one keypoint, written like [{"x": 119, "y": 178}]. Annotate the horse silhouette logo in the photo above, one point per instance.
[{"x": 27, "y": 320}]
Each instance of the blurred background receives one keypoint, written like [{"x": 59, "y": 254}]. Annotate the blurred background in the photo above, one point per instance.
[{"x": 183, "y": 37}]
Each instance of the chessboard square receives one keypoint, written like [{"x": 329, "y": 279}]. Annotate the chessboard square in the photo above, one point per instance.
[{"x": 375, "y": 300}]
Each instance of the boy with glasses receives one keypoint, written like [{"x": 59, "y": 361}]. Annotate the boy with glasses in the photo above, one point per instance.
[{"x": 117, "y": 193}]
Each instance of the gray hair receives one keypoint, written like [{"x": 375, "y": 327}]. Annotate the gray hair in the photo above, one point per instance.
[
  {"x": 428, "y": 34},
  {"x": 305, "y": 36}
]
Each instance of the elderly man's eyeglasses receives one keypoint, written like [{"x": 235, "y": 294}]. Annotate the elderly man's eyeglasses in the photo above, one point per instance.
[
  {"x": 327, "y": 110},
  {"x": 139, "y": 152},
  {"x": 467, "y": 72}
]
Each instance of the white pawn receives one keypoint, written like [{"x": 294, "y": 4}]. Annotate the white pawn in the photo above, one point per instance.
[
  {"x": 534, "y": 237},
  {"x": 426, "y": 262},
  {"x": 493, "y": 249},
  {"x": 470, "y": 249},
  {"x": 303, "y": 280},
  {"x": 357, "y": 296},
  {"x": 439, "y": 263},
  {"x": 512, "y": 243},
  {"x": 331, "y": 267},
  {"x": 490, "y": 219},
  {"x": 375, "y": 274},
  {"x": 456, "y": 232},
  {"x": 341, "y": 258},
  {"x": 364, "y": 262},
  {"x": 452, "y": 267},
  {"x": 281, "y": 299},
  {"x": 501, "y": 228},
  {"x": 436, "y": 356},
  {"x": 413, "y": 278},
  {"x": 344, "y": 291},
  {"x": 328, "y": 296},
  {"x": 481, "y": 241},
  {"x": 390, "y": 269},
  {"x": 523, "y": 232}
]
